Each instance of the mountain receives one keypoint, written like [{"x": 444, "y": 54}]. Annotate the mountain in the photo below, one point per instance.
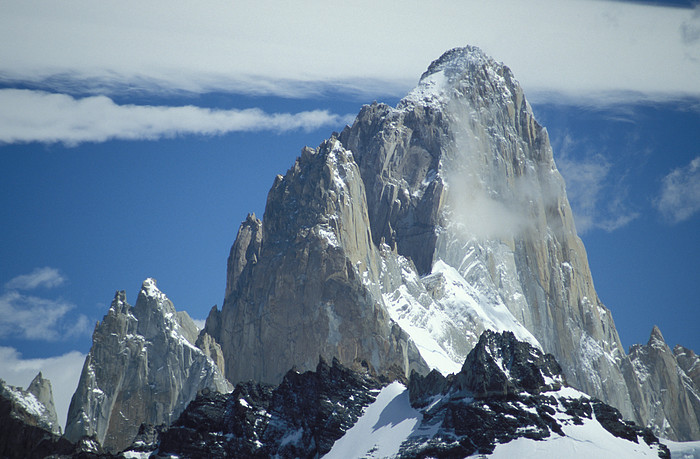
[
  {"x": 143, "y": 367},
  {"x": 398, "y": 241},
  {"x": 29, "y": 424},
  {"x": 429, "y": 245},
  {"x": 507, "y": 394}
]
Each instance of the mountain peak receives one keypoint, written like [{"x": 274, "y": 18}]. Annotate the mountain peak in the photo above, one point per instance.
[
  {"x": 656, "y": 339},
  {"x": 457, "y": 61},
  {"x": 150, "y": 289}
]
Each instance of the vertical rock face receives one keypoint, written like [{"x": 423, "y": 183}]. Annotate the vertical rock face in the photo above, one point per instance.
[
  {"x": 460, "y": 178},
  {"x": 662, "y": 387},
  {"x": 689, "y": 362},
  {"x": 303, "y": 282},
  {"x": 245, "y": 250},
  {"x": 143, "y": 367}
]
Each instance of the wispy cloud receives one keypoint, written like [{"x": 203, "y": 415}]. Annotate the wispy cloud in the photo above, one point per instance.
[
  {"x": 37, "y": 318},
  {"x": 580, "y": 49},
  {"x": 63, "y": 371},
  {"x": 38, "y": 116},
  {"x": 679, "y": 198},
  {"x": 596, "y": 202},
  {"x": 40, "y": 277},
  {"x": 33, "y": 317}
]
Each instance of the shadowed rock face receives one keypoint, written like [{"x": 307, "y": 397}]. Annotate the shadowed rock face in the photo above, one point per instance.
[
  {"x": 307, "y": 286},
  {"x": 302, "y": 417},
  {"x": 142, "y": 367}
]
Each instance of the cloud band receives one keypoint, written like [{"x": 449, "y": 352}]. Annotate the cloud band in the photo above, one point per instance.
[{"x": 38, "y": 116}]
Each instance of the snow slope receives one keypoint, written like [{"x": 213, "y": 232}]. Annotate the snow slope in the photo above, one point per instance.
[
  {"x": 388, "y": 422},
  {"x": 385, "y": 424}
]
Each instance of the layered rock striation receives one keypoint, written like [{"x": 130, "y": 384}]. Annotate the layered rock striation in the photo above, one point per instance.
[
  {"x": 143, "y": 367},
  {"x": 461, "y": 180},
  {"x": 303, "y": 282}
]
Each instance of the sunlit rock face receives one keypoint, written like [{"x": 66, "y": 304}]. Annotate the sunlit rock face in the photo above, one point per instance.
[
  {"x": 143, "y": 367},
  {"x": 460, "y": 179},
  {"x": 662, "y": 387},
  {"x": 400, "y": 240}
]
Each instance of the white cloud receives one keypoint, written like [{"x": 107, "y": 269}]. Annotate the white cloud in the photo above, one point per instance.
[
  {"x": 32, "y": 317},
  {"x": 199, "y": 323},
  {"x": 38, "y": 116},
  {"x": 690, "y": 28},
  {"x": 596, "y": 200},
  {"x": 63, "y": 371},
  {"x": 581, "y": 49},
  {"x": 679, "y": 199},
  {"x": 40, "y": 277}
]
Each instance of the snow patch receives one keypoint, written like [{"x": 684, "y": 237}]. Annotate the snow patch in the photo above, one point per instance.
[
  {"x": 28, "y": 401},
  {"x": 683, "y": 450},
  {"x": 587, "y": 440},
  {"x": 384, "y": 425}
]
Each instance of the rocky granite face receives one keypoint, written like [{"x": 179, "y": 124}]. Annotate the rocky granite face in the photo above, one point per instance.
[
  {"x": 308, "y": 285},
  {"x": 461, "y": 180},
  {"x": 40, "y": 387},
  {"x": 663, "y": 389},
  {"x": 403, "y": 238},
  {"x": 143, "y": 367},
  {"x": 689, "y": 363}
]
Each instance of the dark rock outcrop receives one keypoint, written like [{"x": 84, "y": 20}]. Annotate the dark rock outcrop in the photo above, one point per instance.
[
  {"x": 26, "y": 430},
  {"x": 302, "y": 417},
  {"x": 309, "y": 412},
  {"x": 506, "y": 390}
]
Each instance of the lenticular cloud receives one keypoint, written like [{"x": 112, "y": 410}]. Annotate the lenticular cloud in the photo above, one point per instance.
[{"x": 38, "y": 116}]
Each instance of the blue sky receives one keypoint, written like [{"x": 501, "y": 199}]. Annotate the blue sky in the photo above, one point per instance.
[{"x": 135, "y": 138}]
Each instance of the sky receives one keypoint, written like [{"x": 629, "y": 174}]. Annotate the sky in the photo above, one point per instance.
[{"x": 134, "y": 139}]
